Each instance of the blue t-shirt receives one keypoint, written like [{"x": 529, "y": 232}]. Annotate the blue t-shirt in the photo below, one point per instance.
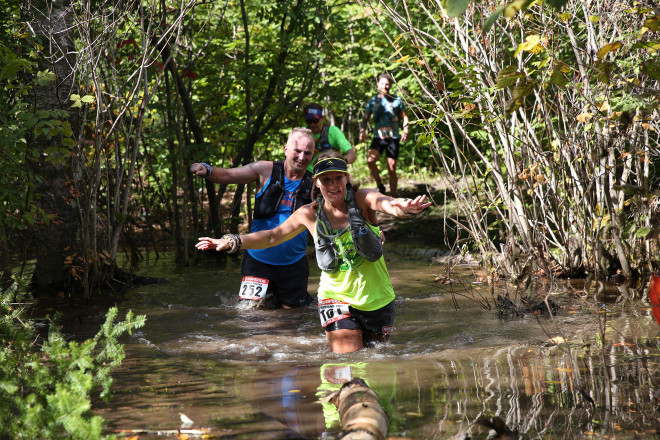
[
  {"x": 290, "y": 251},
  {"x": 386, "y": 112}
]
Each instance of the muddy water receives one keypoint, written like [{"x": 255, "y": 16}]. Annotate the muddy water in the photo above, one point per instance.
[{"x": 591, "y": 372}]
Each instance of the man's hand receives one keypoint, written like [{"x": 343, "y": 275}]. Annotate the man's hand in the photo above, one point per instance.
[{"x": 198, "y": 169}]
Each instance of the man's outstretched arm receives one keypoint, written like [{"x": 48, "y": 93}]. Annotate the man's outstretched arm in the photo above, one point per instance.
[{"x": 255, "y": 171}]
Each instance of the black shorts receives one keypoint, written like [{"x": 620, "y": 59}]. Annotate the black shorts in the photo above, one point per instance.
[
  {"x": 390, "y": 145},
  {"x": 287, "y": 284},
  {"x": 378, "y": 321}
]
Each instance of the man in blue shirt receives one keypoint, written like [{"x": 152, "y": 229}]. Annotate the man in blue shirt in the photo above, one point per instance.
[
  {"x": 282, "y": 187},
  {"x": 388, "y": 110}
]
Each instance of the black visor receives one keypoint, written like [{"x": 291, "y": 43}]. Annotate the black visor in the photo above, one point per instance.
[{"x": 330, "y": 164}]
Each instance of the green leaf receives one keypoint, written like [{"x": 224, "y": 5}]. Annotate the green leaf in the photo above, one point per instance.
[
  {"x": 529, "y": 45},
  {"x": 10, "y": 70},
  {"x": 8, "y": 388},
  {"x": 507, "y": 76},
  {"x": 45, "y": 77},
  {"x": 29, "y": 218},
  {"x": 611, "y": 47},
  {"x": 512, "y": 105},
  {"x": 651, "y": 46},
  {"x": 490, "y": 21},
  {"x": 558, "y": 75},
  {"x": 642, "y": 232},
  {"x": 557, "y": 4},
  {"x": 512, "y": 9},
  {"x": 455, "y": 8},
  {"x": 602, "y": 71},
  {"x": 651, "y": 69},
  {"x": 525, "y": 88},
  {"x": 653, "y": 23},
  {"x": 88, "y": 99}
]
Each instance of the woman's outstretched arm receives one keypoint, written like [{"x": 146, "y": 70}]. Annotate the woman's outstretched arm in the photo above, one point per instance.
[
  {"x": 294, "y": 225},
  {"x": 398, "y": 207}
]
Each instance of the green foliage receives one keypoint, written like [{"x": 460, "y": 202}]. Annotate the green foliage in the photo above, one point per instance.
[
  {"x": 46, "y": 391},
  {"x": 18, "y": 121},
  {"x": 455, "y": 7},
  {"x": 539, "y": 94}
]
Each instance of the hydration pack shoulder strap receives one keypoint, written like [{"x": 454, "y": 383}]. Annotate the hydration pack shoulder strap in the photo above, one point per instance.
[
  {"x": 326, "y": 251},
  {"x": 366, "y": 242},
  {"x": 266, "y": 204},
  {"x": 303, "y": 194}
]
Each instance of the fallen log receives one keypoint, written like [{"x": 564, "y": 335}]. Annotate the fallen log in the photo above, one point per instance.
[{"x": 362, "y": 417}]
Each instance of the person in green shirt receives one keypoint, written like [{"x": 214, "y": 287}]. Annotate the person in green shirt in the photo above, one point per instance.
[
  {"x": 327, "y": 136},
  {"x": 356, "y": 297}
]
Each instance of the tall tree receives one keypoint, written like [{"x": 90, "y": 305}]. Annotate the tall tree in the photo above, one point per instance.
[{"x": 57, "y": 172}]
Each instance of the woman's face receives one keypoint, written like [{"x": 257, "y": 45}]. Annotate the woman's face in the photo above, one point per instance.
[{"x": 332, "y": 185}]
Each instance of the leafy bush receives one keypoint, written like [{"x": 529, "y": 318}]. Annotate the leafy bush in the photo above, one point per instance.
[{"x": 46, "y": 385}]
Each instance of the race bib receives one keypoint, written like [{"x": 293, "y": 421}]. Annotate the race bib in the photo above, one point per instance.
[
  {"x": 253, "y": 288},
  {"x": 385, "y": 132},
  {"x": 331, "y": 310},
  {"x": 338, "y": 375}
]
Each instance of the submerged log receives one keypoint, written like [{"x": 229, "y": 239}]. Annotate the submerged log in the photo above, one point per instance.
[{"x": 362, "y": 417}]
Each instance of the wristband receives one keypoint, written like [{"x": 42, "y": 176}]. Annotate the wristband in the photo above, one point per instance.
[
  {"x": 234, "y": 240},
  {"x": 208, "y": 169}
]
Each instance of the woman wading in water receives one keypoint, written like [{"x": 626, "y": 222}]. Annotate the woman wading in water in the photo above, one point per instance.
[{"x": 356, "y": 298}]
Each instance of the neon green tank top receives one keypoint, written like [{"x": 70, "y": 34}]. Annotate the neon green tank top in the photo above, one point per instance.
[{"x": 357, "y": 281}]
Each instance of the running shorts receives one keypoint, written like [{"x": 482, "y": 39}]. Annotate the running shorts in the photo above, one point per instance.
[
  {"x": 378, "y": 321},
  {"x": 287, "y": 284},
  {"x": 389, "y": 145}
]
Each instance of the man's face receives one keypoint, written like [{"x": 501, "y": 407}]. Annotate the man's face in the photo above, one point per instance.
[
  {"x": 299, "y": 151},
  {"x": 315, "y": 125},
  {"x": 384, "y": 86}
]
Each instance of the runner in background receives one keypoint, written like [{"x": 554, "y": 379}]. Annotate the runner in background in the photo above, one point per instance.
[
  {"x": 326, "y": 136},
  {"x": 388, "y": 111}
]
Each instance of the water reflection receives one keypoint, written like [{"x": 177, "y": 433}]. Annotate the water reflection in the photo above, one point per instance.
[{"x": 589, "y": 373}]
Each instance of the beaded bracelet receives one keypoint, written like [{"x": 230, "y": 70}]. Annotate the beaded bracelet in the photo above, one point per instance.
[{"x": 234, "y": 240}]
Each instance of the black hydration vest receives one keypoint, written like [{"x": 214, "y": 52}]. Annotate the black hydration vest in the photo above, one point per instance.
[
  {"x": 265, "y": 206},
  {"x": 366, "y": 242},
  {"x": 324, "y": 141}
]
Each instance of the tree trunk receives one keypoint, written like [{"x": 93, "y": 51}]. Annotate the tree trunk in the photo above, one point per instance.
[{"x": 56, "y": 238}]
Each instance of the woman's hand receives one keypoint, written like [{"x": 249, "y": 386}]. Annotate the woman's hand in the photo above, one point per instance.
[
  {"x": 218, "y": 243},
  {"x": 406, "y": 207}
]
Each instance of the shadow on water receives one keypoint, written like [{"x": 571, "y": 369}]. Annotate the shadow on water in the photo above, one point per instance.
[{"x": 591, "y": 372}]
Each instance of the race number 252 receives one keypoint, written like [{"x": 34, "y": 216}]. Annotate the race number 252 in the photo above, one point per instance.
[{"x": 253, "y": 288}]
